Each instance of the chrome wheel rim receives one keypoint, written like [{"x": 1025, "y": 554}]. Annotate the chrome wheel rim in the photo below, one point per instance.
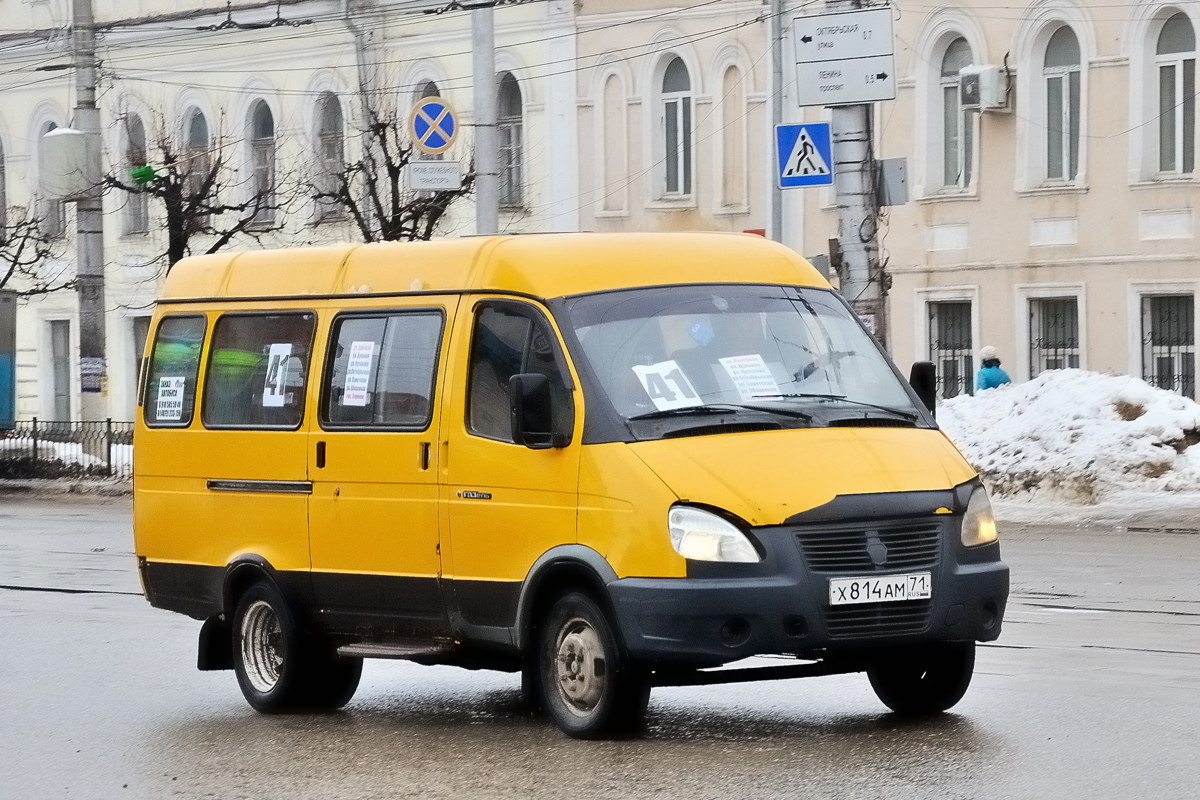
[
  {"x": 262, "y": 646},
  {"x": 579, "y": 667}
]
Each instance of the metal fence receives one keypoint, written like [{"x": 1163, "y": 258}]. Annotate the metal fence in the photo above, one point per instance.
[{"x": 50, "y": 449}]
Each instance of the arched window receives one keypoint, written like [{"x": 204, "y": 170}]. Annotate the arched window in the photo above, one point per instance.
[
  {"x": 676, "y": 117},
  {"x": 331, "y": 153},
  {"x": 1175, "y": 59},
  {"x": 510, "y": 134},
  {"x": 137, "y": 215},
  {"x": 958, "y": 125},
  {"x": 1061, "y": 73},
  {"x": 197, "y": 159},
  {"x": 262, "y": 162},
  {"x": 52, "y": 213}
]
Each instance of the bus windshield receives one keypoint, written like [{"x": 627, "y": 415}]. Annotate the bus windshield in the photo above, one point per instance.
[{"x": 680, "y": 350}]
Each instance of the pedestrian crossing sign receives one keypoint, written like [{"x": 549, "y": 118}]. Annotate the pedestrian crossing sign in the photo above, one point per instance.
[{"x": 804, "y": 154}]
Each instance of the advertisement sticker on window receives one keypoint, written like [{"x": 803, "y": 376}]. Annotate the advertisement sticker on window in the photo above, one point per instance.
[
  {"x": 169, "y": 405},
  {"x": 358, "y": 373}
]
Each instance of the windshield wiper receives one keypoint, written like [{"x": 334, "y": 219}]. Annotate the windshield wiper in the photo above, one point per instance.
[
  {"x": 909, "y": 415},
  {"x": 720, "y": 408}
]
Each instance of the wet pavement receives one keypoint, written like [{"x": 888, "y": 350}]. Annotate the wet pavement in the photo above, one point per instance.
[{"x": 1093, "y": 691}]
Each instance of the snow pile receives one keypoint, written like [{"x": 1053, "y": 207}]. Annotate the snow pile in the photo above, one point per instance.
[{"x": 1077, "y": 437}]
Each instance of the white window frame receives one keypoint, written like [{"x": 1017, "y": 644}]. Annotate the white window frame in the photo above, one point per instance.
[
  {"x": 510, "y": 142},
  {"x": 1137, "y": 294},
  {"x": 1178, "y": 65},
  {"x": 1026, "y": 295},
  {"x": 330, "y": 154},
  {"x": 965, "y": 125},
  {"x": 937, "y": 30},
  {"x": 923, "y": 299},
  {"x": 678, "y": 107},
  {"x": 262, "y": 161},
  {"x": 137, "y": 206},
  {"x": 1143, "y": 130},
  {"x": 1068, "y": 134}
]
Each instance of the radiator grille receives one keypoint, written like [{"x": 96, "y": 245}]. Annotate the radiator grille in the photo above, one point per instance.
[{"x": 859, "y": 549}]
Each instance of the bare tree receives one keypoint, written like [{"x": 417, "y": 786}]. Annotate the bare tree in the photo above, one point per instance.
[
  {"x": 197, "y": 191},
  {"x": 371, "y": 190},
  {"x": 27, "y": 252}
]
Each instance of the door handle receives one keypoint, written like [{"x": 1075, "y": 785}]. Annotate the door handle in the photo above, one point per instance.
[{"x": 320, "y": 455}]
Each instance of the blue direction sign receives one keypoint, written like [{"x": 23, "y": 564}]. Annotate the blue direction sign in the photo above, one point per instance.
[
  {"x": 433, "y": 125},
  {"x": 804, "y": 154}
]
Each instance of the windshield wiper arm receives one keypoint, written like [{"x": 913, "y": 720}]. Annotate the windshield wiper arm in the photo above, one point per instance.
[
  {"x": 720, "y": 408},
  {"x": 683, "y": 411},
  {"x": 806, "y": 395}
]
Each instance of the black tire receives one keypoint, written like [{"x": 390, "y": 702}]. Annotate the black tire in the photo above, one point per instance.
[
  {"x": 917, "y": 681},
  {"x": 279, "y": 667},
  {"x": 589, "y": 688}
]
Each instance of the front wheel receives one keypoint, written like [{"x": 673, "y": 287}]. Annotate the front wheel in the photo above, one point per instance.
[
  {"x": 281, "y": 668},
  {"x": 928, "y": 679},
  {"x": 588, "y": 688}
]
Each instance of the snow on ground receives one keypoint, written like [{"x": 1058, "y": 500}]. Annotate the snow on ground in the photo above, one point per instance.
[{"x": 1079, "y": 441}]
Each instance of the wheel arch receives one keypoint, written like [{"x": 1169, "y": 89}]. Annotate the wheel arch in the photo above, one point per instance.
[
  {"x": 214, "y": 648},
  {"x": 566, "y": 568},
  {"x": 242, "y": 573}
]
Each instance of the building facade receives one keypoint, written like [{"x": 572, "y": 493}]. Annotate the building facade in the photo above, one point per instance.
[{"x": 1055, "y": 220}]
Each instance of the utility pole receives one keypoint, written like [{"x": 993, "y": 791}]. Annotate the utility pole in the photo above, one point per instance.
[
  {"x": 487, "y": 177},
  {"x": 89, "y": 218},
  {"x": 775, "y": 28},
  {"x": 861, "y": 279}
]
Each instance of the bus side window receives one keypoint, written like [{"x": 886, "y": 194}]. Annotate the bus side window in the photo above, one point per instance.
[
  {"x": 170, "y": 388},
  {"x": 258, "y": 370},
  {"x": 382, "y": 370}
]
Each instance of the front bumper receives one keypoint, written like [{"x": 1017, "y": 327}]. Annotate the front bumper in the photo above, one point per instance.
[{"x": 724, "y": 612}]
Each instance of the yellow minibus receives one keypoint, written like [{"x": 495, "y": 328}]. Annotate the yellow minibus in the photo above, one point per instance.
[{"x": 604, "y": 461}]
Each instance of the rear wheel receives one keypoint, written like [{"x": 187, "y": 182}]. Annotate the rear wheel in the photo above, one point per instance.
[
  {"x": 281, "y": 668},
  {"x": 588, "y": 687},
  {"x": 928, "y": 679}
]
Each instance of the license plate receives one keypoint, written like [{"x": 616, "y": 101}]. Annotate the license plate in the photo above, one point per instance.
[{"x": 880, "y": 589}]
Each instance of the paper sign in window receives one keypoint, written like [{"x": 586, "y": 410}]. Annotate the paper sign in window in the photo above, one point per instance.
[
  {"x": 358, "y": 374},
  {"x": 667, "y": 386},
  {"x": 751, "y": 376},
  {"x": 168, "y": 407}
]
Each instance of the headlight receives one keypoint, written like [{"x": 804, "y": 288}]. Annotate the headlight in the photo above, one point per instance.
[
  {"x": 703, "y": 536},
  {"x": 979, "y": 525}
]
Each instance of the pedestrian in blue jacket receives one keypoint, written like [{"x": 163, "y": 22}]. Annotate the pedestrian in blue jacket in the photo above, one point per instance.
[{"x": 990, "y": 375}]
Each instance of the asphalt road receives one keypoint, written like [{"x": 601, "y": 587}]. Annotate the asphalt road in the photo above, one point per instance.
[{"x": 1093, "y": 691}]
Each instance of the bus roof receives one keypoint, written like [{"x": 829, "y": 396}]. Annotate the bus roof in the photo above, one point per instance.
[{"x": 540, "y": 265}]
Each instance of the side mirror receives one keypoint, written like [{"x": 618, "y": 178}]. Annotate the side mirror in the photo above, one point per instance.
[
  {"x": 923, "y": 379},
  {"x": 531, "y": 410}
]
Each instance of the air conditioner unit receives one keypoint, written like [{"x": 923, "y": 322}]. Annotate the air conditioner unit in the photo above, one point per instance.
[{"x": 982, "y": 87}]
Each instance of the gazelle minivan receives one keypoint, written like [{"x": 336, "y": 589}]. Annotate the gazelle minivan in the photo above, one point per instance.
[{"x": 605, "y": 461}]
